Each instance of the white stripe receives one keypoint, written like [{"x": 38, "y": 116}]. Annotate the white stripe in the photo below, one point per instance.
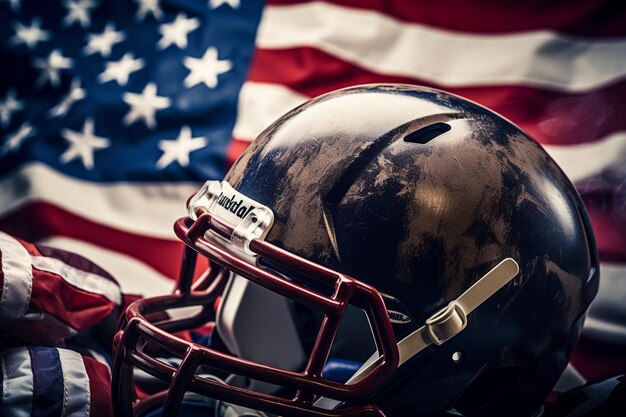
[
  {"x": 146, "y": 209},
  {"x": 382, "y": 44},
  {"x": 260, "y": 104},
  {"x": 17, "y": 382},
  {"x": 86, "y": 281},
  {"x": 134, "y": 276},
  {"x": 18, "y": 278},
  {"x": 76, "y": 394},
  {"x": 606, "y": 156}
]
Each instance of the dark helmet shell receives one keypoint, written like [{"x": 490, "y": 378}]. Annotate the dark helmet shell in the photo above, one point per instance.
[{"x": 419, "y": 193}]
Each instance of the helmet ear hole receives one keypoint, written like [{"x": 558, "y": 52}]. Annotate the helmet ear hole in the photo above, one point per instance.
[
  {"x": 485, "y": 388},
  {"x": 427, "y": 133}
]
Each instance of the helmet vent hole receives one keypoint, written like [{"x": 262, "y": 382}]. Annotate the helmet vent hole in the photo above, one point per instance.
[
  {"x": 427, "y": 133},
  {"x": 457, "y": 357}
]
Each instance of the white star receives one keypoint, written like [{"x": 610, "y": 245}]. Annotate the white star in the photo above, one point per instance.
[
  {"x": 78, "y": 12},
  {"x": 103, "y": 42},
  {"x": 76, "y": 93},
  {"x": 29, "y": 35},
  {"x": 144, "y": 105},
  {"x": 15, "y": 140},
  {"x": 15, "y": 5},
  {"x": 49, "y": 68},
  {"x": 214, "y": 4},
  {"x": 148, "y": 6},
  {"x": 83, "y": 144},
  {"x": 8, "y": 106},
  {"x": 179, "y": 149},
  {"x": 206, "y": 69},
  {"x": 177, "y": 31},
  {"x": 121, "y": 70}
]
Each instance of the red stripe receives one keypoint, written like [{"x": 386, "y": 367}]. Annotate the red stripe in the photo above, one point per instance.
[
  {"x": 99, "y": 388},
  {"x": 52, "y": 295},
  {"x": 550, "y": 117},
  {"x": 608, "y": 220},
  {"x": 73, "y": 306},
  {"x": 235, "y": 148},
  {"x": 39, "y": 220},
  {"x": 602, "y": 18}
]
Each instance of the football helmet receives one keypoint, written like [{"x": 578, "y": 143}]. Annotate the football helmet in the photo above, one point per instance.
[{"x": 379, "y": 250}]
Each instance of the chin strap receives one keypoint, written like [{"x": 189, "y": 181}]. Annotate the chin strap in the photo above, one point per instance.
[{"x": 449, "y": 321}]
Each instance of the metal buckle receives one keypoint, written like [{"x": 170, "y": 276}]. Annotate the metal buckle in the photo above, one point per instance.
[{"x": 446, "y": 323}]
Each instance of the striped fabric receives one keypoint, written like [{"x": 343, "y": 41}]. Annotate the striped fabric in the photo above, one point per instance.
[
  {"x": 43, "y": 381},
  {"x": 49, "y": 294},
  {"x": 555, "y": 68}
]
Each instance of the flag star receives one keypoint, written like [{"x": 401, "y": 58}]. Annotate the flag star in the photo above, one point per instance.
[
  {"x": 83, "y": 144},
  {"x": 15, "y": 140},
  {"x": 50, "y": 67},
  {"x": 179, "y": 149},
  {"x": 121, "y": 70},
  {"x": 8, "y": 106},
  {"x": 206, "y": 69},
  {"x": 103, "y": 42},
  {"x": 76, "y": 93},
  {"x": 177, "y": 31},
  {"x": 148, "y": 6},
  {"x": 78, "y": 12},
  {"x": 144, "y": 106},
  {"x": 214, "y": 4},
  {"x": 29, "y": 35}
]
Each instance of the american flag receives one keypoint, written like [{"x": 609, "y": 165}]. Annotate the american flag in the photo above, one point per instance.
[{"x": 113, "y": 112}]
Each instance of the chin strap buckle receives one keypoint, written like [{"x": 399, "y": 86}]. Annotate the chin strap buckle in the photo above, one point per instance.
[
  {"x": 446, "y": 323},
  {"x": 451, "y": 320}
]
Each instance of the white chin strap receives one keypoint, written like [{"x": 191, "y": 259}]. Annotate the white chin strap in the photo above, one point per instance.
[{"x": 449, "y": 321}]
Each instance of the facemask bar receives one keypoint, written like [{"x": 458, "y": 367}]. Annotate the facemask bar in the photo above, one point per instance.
[{"x": 134, "y": 329}]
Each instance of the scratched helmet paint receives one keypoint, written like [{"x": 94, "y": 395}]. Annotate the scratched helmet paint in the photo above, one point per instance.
[{"x": 380, "y": 250}]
